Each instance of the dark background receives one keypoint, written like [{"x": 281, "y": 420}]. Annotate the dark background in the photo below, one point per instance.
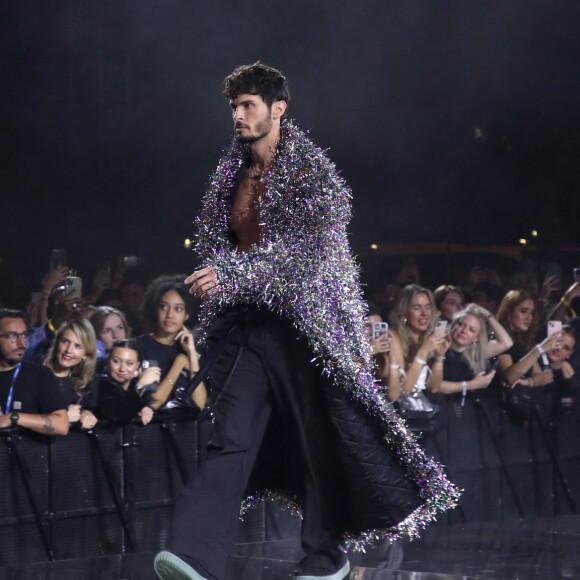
[{"x": 453, "y": 121}]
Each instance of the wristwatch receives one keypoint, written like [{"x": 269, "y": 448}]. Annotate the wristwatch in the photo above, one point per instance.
[{"x": 14, "y": 417}]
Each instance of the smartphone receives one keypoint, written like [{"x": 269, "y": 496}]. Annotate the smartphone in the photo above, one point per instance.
[
  {"x": 132, "y": 261},
  {"x": 74, "y": 287},
  {"x": 554, "y": 326},
  {"x": 58, "y": 258},
  {"x": 555, "y": 269},
  {"x": 440, "y": 327},
  {"x": 146, "y": 364},
  {"x": 379, "y": 328},
  {"x": 576, "y": 274}
]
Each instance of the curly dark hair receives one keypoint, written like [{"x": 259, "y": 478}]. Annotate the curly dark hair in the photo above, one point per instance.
[
  {"x": 156, "y": 290},
  {"x": 257, "y": 79}
]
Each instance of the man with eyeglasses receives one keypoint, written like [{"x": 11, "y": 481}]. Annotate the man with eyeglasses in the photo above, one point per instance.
[{"x": 29, "y": 394}]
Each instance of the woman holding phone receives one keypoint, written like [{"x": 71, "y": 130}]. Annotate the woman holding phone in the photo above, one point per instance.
[
  {"x": 170, "y": 344},
  {"x": 520, "y": 364},
  {"x": 413, "y": 322},
  {"x": 386, "y": 352}
]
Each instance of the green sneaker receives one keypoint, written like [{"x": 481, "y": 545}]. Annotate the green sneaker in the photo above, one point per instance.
[{"x": 168, "y": 566}]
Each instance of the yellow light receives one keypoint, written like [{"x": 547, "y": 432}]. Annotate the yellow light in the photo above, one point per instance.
[
  {"x": 535, "y": 233},
  {"x": 523, "y": 241},
  {"x": 187, "y": 244},
  {"x": 374, "y": 247}
]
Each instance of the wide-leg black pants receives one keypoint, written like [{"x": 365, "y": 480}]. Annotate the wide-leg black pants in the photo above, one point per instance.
[{"x": 270, "y": 424}]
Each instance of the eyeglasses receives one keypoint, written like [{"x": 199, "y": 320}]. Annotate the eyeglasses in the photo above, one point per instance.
[{"x": 14, "y": 336}]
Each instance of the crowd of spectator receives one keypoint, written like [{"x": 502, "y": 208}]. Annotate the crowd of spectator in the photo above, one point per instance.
[
  {"x": 481, "y": 335},
  {"x": 117, "y": 355},
  {"x": 125, "y": 351}
]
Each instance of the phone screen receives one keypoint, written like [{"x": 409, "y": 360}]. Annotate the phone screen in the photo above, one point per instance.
[
  {"x": 440, "y": 327},
  {"x": 74, "y": 287},
  {"x": 554, "y": 326}
]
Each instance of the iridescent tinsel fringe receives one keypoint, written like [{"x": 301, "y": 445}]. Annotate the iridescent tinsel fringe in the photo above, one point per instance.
[{"x": 303, "y": 268}]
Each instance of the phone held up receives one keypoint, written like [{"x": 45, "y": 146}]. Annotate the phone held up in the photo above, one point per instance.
[
  {"x": 379, "y": 328},
  {"x": 554, "y": 326},
  {"x": 146, "y": 364},
  {"x": 440, "y": 327},
  {"x": 74, "y": 287}
]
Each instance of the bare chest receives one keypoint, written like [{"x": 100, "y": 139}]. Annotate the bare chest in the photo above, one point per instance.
[{"x": 245, "y": 213}]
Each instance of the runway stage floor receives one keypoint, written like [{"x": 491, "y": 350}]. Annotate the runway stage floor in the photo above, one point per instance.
[{"x": 542, "y": 548}]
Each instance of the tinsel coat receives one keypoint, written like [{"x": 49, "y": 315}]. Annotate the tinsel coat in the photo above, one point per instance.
[{"x": 303, "y": 270}]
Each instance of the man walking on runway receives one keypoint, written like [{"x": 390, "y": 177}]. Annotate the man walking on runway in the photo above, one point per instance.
[{"x": 296, "y": 413}]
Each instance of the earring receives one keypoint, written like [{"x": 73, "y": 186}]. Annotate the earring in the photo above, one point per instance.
[
  {"x": 474, "y": 345},
  {"x": 404, "y": 320}
]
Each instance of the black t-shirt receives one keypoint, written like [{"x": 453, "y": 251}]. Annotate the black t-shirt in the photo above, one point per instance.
[
  {"x": 164, "y": 354},
  {"x": 456, "y": 368},
  {"x": 67, "y": 388},
  {"x": 36, "y": 390}
]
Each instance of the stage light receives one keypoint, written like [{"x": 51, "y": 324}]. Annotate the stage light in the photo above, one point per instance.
[
  {"x": 374, "y": 247},
  {"x": 534, "y": 233},
  {"x": 187, "y": 244},
  {"x": 523, "y": 241}
]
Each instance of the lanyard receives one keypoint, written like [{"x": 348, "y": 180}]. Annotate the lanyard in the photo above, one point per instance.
[{"x": 11, "y": 392}]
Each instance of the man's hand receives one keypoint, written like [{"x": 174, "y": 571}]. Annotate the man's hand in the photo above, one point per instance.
[
  {"x": 55, "y": 423},
  {"x": 204, "y": 283}
]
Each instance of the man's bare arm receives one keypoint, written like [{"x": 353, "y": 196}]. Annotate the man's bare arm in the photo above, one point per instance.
[{"x": 55, "y": 423}]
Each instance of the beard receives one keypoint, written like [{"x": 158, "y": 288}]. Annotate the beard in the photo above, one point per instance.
[
  {"x": 260, "y": 131},
  {"x": 14, "y": 357}
]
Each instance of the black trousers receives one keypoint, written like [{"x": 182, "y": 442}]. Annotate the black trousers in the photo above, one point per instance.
[{"x": 270, "y": 421}]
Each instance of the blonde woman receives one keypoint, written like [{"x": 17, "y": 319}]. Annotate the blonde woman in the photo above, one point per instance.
[
  {"x": 72, "y": 358},
  {"x": 467, "y": 361},
  {"x": 413, "y": 325}
]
